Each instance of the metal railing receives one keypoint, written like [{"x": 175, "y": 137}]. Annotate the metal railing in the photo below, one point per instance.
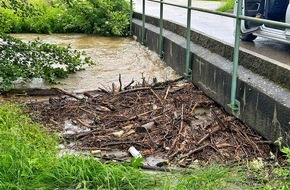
[{"x": 234, "y": 104}]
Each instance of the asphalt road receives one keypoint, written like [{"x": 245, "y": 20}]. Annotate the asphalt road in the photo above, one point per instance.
[{"x": 218, "y": 27}]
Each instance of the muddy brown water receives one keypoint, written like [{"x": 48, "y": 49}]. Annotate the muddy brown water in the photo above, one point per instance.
[{"x": 112, "y": 55}]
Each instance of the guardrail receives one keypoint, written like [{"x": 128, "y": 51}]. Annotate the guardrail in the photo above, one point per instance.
[{"x": 234, "y": 104}]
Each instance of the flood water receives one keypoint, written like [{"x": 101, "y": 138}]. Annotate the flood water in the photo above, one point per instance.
[{"x": 112, "y": 55}]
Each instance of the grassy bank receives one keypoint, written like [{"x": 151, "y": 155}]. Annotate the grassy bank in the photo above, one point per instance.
[{"x": 29, "y": 160}]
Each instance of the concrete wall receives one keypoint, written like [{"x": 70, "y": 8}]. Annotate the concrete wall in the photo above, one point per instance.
[
  {"x": 275, "y": 72},
  {"x": 265, "y": 106}
]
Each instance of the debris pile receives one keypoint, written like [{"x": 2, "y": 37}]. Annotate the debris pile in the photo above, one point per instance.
[{"x": 173, "y": 120}]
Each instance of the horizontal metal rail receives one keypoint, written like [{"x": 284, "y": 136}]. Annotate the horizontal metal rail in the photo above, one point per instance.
[
  {"x": 172, "y": 4},
  {"x": 234, "y": 104}
]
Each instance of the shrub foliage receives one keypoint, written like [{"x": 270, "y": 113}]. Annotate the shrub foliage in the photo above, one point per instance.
[
  {"x": 105, "y": 17},
  {"x": 36, "y": 60}
]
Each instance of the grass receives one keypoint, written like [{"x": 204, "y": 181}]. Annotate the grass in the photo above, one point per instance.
[
  {"x": 211, "y": 177},
  {"x": 228, "y": 6},
  {"x": 24, "y": 149},
  {"x": 80, "y": 172},
  {"x": 29, "y": 160}
]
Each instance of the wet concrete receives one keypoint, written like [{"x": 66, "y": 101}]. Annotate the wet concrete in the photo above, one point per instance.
[
  {"x": 112, "y": 55},
  {"x": 262, "y": 65},
  {"x": 216, "y": 26}
]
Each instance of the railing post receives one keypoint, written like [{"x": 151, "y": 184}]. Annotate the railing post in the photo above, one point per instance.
[
  {"x": 161, "y": 30},
  {"x": 188, "y": 32},
  {"x": 235, "y": 104},
  {"x": 131, "y": 18},
  {"x": 143, "y": 23}
]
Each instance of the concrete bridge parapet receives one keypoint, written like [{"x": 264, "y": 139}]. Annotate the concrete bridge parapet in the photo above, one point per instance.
[{"x": 265, "y": 105}]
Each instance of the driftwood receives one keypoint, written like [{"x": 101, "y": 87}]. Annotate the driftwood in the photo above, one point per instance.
[
  {"x": 128, "y": 85},
  {"x": 60, "y": 91},
  {"x": 159, "y": 119}
]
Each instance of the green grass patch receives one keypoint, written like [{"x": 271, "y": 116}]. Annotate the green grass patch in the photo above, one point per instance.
[
  {"x": 25, "y": 149},
  {"x": 228, "y": 6},
  {"x": 215, "y": 177}
]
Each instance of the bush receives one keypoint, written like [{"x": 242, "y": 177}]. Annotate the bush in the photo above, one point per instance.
[
  {"x": 36, "y": 60},
  {"x": 105, "y": 17},
  {"x": 6, "y": 20}
]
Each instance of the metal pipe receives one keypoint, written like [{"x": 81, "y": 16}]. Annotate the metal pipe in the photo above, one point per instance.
[
  {"x": 131, "y": 18},
  {"x": 264, "y": 21},
  {"x": 143, "y": 23},
  {"x": 188, "y": 32},
  {"x": 172, "y": 4},
  {"x": 234, "y": 105},
  {"x": 161, "y": 30}
]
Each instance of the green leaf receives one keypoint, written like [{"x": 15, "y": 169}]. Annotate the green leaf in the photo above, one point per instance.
[
  {"x": 136, "y": 162},
  {"x": 286, "y": 151}
]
